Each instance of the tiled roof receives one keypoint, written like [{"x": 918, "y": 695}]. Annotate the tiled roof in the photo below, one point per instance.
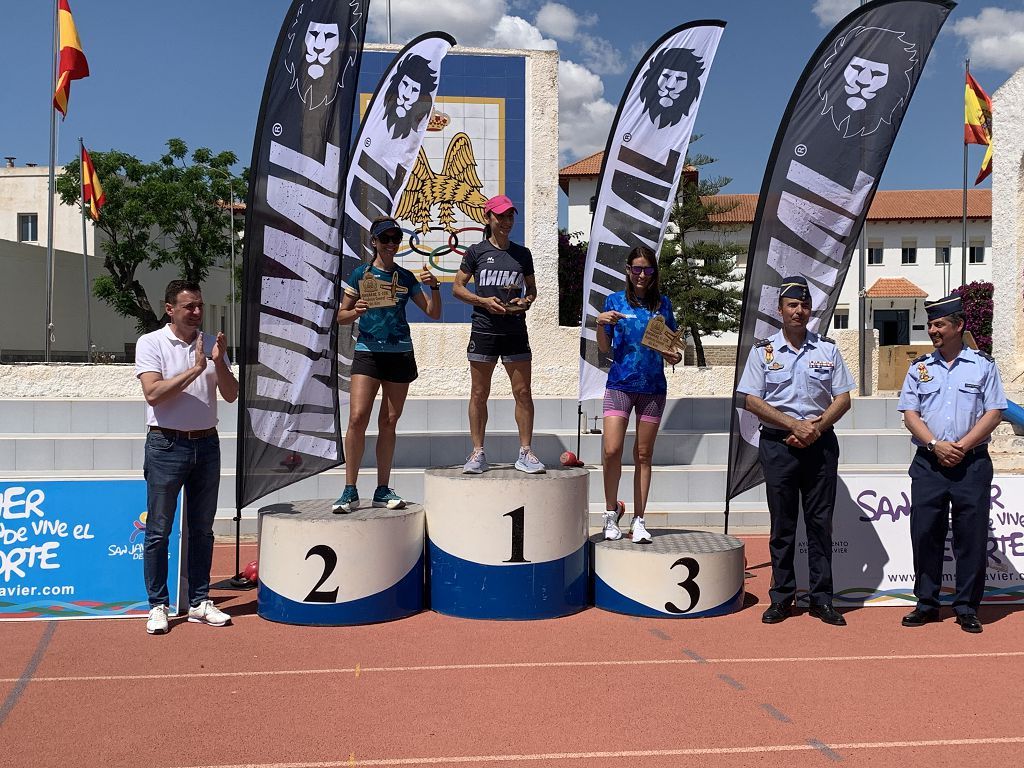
[
  {"x": 895, "y": 288},
  {"x": 888, "y": 205}
]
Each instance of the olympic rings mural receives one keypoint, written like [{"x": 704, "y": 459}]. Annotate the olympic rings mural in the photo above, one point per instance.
[{"x": 433, "y": 256}]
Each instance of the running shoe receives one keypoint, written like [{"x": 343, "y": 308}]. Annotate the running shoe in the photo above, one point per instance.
[
  {"x": 385, "y": 497},
  {"x": 612, "y": 532},
  {"x": 157, "y": 624},
  {"x": 640, "y": 534},
  {"x": 476, "y": 463},
  {"x": 208, "y": 613},
  {"x": 348, "y": 501},
  {"x": 528, "y": 462}
]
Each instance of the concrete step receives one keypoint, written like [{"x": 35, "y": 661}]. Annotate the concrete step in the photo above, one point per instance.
[
  {"x": 83, "y": 451},
  {"x": 708, "y": 414}
]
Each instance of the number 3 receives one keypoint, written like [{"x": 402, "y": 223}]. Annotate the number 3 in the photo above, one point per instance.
[{"x": 689, "y": 584}]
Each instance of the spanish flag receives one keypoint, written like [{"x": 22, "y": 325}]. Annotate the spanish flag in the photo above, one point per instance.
[
  {"x": 978, "y": 123},
  {"x": 92, "y": 190},
  {"x": 72, "y": 63}
]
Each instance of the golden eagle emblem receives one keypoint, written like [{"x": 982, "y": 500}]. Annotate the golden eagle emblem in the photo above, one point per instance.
[{"x": 458, "y": 184}]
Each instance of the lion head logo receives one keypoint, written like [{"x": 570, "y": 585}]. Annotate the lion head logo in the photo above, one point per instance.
[
  {"x": 407, "y": 100},
  {"x": 314, "y": 66},
  {"x": 867, "y": 79},
  {"x": 671, "y": 85}
]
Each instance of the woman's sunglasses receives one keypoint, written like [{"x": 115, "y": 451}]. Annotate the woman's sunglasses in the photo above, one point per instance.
[
  {"x": 642, "y": 271},
  {"x": 389, "y": 239}
]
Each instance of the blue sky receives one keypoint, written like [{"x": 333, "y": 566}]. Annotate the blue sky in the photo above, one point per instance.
[{"x": 196, "y": 70}]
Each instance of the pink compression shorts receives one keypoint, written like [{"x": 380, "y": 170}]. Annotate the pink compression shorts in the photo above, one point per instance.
[{"x": 648, "y": 407}]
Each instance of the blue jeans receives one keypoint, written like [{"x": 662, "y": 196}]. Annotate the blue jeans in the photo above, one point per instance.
[{"x": 170, "y": 464}]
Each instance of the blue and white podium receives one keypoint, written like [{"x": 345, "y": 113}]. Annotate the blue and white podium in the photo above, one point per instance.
[
  {"x": 320, "y": 568},
  {"x": 507, "y": 545},
  {"x": 679, "y": 575}
]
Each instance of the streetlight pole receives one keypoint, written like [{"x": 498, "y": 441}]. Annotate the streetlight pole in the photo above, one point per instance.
[{"x": 231, "y": 276}]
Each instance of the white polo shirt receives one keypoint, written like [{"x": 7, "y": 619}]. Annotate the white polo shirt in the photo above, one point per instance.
[{"x": 164, "y": 353}]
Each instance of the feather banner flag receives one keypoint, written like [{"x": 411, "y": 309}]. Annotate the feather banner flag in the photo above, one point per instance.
[
  {"x": 383, "y": 156},
  {"x": 71, "y": 59},
  {"x": 288, "y": 427},
  {"x": 640, "y": 173},
  {"x": 978, "y": 123},
  {"x": 831, "y": 148},
  {"x": 92, "y": 190}
]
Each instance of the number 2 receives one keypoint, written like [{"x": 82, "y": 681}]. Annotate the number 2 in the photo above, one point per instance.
[
  {"x": 689, "y": 584},
  {"x": 330, "y": 558}
]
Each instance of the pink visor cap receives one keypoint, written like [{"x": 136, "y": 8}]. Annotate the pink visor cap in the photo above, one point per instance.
[{"x": 499, "y": 204}]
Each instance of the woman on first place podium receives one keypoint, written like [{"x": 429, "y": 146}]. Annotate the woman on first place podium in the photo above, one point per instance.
[
  {"x": 636, "y": 379},
  {"x": 383, "y": 359}
]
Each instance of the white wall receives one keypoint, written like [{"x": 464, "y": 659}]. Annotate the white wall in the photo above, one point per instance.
[{"x": 23, "y": 190}]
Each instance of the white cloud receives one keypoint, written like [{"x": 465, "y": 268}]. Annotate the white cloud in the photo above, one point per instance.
[
  {"x": 514, "y": 32},
  {"x": 601, "y": 56},
  {"x": 583, "y": 114},
  {"x": 562, "y": 22},
  {"x": 995, "y": 38},
  {"x": 831, "y": 11}
]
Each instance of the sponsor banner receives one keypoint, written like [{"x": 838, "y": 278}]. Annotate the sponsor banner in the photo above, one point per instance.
[
  {"x": 72, "y": 549},
  {"x": 288, "y": 420},
  {"x": 385, "y": 151},
  {"x": 643, "y": 162},
  {"x": 829, "y": 153},
  {"x": 872, "y": 557}
]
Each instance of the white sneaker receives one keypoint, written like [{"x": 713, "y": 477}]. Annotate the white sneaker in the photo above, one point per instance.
[
  {"x": 612, "y": 532},
  {"x": 528, "y": 462},
  {"x": 640, "y": 534},
  {"x": 208, "y": 613},
  {"x": 157, "y": 624}
]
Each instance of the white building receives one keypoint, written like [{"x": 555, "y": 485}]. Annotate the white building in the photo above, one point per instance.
[
  {"x": 23, "y": 238},
  {"x": 913, "y": 240}
]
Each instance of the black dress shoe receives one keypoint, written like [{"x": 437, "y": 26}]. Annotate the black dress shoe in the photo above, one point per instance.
[
  {"x": 775, "y": 613},
  {"x": 919, "y": 617},
  {"x": 968, "y": 623},
  {"x": 828, "y": 614}
]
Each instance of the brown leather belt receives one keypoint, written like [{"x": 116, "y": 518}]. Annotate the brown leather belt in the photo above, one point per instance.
[{"x": 194, "y": 434}]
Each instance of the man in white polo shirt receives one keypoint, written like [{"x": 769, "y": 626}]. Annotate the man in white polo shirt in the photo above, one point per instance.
[{"x": 181, "y": 369}]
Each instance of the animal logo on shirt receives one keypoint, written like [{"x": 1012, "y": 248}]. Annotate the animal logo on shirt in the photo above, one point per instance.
[
  {"x": 922, "y": 373},
  {"x": 769, "y": 359}
]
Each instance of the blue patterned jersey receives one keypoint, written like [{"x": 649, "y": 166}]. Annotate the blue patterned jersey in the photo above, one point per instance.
[
  {"x": 635, "y": 368},
  {"x": 385, "y": 329}
]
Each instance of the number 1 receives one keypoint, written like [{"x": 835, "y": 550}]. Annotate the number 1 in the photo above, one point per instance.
[{"x": 518, "y": 529}]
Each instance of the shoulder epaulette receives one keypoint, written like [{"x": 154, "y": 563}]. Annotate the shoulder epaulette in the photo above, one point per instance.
[
  {"x": 826, "y": 338},
  {"x": 920, "y": 359},
  {"x": 985, "y": 355},
  {"x": 762, "y": 342}
]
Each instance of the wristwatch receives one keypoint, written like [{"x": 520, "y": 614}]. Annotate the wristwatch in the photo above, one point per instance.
[{"x": 931, "y": 445}]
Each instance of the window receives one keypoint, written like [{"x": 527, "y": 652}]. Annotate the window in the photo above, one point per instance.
[
  {"x": 28, "y": 227},
  {"x": 976, "y": 253},
  {"x": 874, "y": 253},
  {"x": 908, "y": 253},
  {"x": 942, "y": 251},
  {"x": 841, "y": 320}
]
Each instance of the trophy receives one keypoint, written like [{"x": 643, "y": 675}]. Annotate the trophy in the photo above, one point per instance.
[
  {"x": 511, "y": 293},
  {"x": 659, "y": 337}
]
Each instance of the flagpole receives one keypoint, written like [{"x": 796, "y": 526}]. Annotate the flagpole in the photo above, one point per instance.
[
  {"x": 963, "y": 242},
  {"x": 85, "y": 254},
  {"x": 51, "y": 187}
]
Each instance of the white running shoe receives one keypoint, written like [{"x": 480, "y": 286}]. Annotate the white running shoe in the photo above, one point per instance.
[
  {"x": 157, "y": 624},
  {"x": 640, "y": 534},
  {"x": 612, "y": 532},
  {"x": 528, "y": 462},
  {"x": 208, "y": 613},
  {"x": 476, "y": 463}
]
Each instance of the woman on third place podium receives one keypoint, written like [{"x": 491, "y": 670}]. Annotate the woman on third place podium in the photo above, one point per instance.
[
  {"x": 383, "y": 359},
  {"x": 636, "y": 380}
]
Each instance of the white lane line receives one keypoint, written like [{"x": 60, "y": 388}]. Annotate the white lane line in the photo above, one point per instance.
[
  {"x": 696, "y": 751},
  {"x": 512, "y": 665}
]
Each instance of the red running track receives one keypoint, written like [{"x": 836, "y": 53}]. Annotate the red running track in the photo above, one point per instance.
[{"x": 595, "y": 689}]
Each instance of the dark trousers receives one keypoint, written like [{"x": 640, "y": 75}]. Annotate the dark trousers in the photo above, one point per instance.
[
  {"x": 792, "y": 474},
  {"x": 935, "y": 491}
]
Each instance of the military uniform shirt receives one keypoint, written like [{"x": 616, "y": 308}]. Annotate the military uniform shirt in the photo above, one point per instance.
[
  {"x": 952, "y": 400},
  {"x": 800, "y": 383}
]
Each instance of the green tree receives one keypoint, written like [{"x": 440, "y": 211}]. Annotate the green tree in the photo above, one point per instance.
[
  {"x": 168, "y": 212},
  {"x": 697, "y": 260}
]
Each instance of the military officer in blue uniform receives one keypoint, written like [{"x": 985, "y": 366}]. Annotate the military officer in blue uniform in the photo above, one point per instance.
[
  {"x": 797, "y": 384},
  {"x": 951, "y": 401}
]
